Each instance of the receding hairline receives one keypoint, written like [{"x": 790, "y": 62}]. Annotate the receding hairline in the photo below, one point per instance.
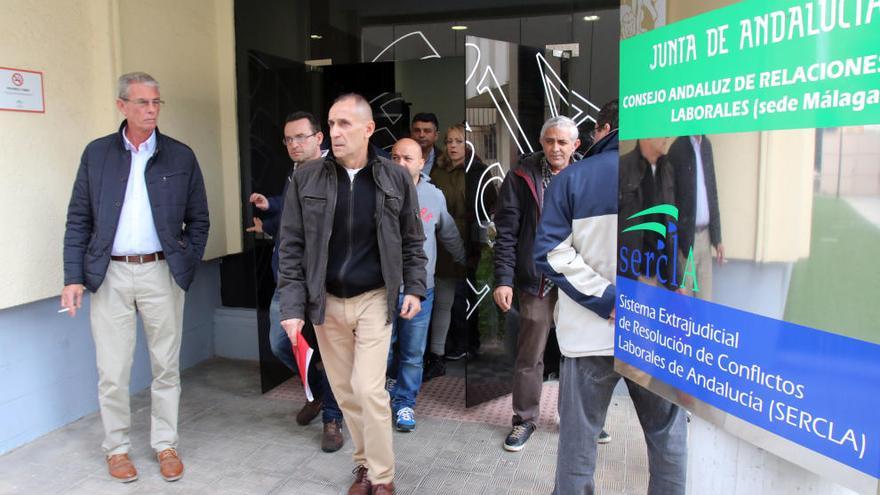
[
  {"x": 402, "y": 142},
  {"x": 362, "y": 106}
]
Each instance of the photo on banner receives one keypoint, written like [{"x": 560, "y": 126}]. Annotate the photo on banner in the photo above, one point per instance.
[{"x": 749, "y": 220}]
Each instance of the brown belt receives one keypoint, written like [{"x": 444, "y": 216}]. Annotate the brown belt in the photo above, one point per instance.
[{"x": 140, "y": 258}]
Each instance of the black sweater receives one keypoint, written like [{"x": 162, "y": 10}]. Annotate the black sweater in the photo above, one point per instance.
[{"x": 353, "y": 263}]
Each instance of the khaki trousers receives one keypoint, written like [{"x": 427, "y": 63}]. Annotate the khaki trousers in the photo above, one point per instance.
[
  {"x": 148, "y": 289},
  {"x": 354, "y": 342},
  {"x": 703, "y": 263},
  {"x": 703, "y": 257}
]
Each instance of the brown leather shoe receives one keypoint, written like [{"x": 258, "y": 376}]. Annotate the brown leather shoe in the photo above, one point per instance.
[
  {"x": 332, "y": 439},
  {"x": 361, "y": 485},
  {"x": 308, "y": 412},
  {"x": 121, "y": 468},
  {"x": 383, "y": 489},
  {"x": 170, "y": 465}
]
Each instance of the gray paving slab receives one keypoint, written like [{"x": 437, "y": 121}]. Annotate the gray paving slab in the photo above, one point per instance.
[{"x": 235, "y": 441}]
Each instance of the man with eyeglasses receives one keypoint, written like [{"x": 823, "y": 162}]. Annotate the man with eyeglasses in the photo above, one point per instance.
[
  {"x": 137, "y": 225},
  {"x": 302, "y": 137}
]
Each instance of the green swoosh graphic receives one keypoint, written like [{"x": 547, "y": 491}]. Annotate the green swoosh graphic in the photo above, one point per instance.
[
  {"x": 652, "y": 226},
  {"x": 665, "y": 209}
]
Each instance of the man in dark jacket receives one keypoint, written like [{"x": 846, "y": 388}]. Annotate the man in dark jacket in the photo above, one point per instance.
[
  {"x": 646, "y": 180},
  {"x": 425, "y": 129},
  {"x": 699, "y": 219},
  {"x": 516, "y": 221},
  {"x": 137, "y": 225},
  {"x": 351, "y": 236},
  {"x": 302, "y": 138}
]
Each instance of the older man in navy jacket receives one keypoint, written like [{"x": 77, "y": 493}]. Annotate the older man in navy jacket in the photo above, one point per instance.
[{"x": 137, "y": 225}]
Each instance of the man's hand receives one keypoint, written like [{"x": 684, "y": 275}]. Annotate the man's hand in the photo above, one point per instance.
[
  {"x": 257, "y": 228},
  {"x": 292, "y": 327},
  {"x": 503, "y": 296},
  {"x": 411, "y": 307},
  {"x": 72, "y": 297},
  {"x": 259, "y": 201},
  {"x": 719, "y": 253},
  {"x": 611, "y": 316}
]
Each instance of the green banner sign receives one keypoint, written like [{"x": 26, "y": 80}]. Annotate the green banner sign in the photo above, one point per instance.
[{"x": 755, "y": 65}]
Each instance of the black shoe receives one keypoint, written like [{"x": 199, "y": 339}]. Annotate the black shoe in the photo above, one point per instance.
[
  {"x": 434, "y": 367},
  {"x": 455, "y": 355},
  {"x": 604, "y": 437},
  {"x": 519, "y": 435}
]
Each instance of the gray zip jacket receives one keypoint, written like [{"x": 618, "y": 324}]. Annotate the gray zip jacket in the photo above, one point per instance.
[{"x": 307, "y": 222}]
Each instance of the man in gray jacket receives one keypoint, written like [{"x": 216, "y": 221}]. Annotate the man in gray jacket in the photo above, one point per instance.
[
  {"x": 405, "y": 366},
  {"x": 350, "y": 237}
]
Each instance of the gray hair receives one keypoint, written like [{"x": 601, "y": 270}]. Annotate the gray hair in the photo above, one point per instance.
[
  {"x": 560, "y": 121},
  {"x": 127, "y": 80}
]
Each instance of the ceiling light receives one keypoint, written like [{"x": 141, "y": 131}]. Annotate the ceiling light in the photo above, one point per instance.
[
  {"x": 591, "y": 18},
  {"x": 316, "y": 37},
  {"x": 459, "y": 28}
]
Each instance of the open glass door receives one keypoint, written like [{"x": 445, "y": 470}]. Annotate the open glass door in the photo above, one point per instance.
[{"x": 511, "y": 90}]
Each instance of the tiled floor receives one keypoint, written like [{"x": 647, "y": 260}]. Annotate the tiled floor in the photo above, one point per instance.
[
  {"x": 233, "y": 440},
  {"x": 443, "y": 398}
]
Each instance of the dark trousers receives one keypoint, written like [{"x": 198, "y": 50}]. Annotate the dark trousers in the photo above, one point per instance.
[
  {"x": 586, "y": 385},
  {"x": 318, "y": 382},
  {"x": 535, "y": 321},
  {"x": 464, "y": 332}
]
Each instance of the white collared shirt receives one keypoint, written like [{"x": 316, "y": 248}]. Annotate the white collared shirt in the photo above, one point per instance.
[
  {"x": 429, "y": 162},
  {"x": 136, "y": 232},
  {"x": 702, "y": 206}
]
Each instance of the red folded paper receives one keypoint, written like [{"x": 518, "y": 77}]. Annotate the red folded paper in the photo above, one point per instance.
[{"x": 302, "y": 351}]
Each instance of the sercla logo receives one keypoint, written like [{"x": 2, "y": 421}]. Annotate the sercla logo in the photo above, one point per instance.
[{"x": 658, "y": 261}]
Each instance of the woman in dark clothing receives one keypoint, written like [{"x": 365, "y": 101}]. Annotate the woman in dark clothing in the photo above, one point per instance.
[{"x": 458, "y": 175}]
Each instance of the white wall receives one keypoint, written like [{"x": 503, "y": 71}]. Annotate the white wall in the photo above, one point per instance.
[{"x": 82, "y": 46}]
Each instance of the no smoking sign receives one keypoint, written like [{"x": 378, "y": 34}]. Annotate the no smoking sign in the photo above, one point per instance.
[{"x": 22, "y": 90}]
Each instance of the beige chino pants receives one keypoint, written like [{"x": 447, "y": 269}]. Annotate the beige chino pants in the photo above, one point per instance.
[
  {"x": 354, "y": 341},
  {"x": 703, "y": 262},
  {"x": 150, "y": 290}
]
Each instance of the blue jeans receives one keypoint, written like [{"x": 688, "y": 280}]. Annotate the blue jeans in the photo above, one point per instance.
[
  {"x": 585, "y": 388},
  {"x": 281, "y": 347},
  {"x": 405, "y": 365}
]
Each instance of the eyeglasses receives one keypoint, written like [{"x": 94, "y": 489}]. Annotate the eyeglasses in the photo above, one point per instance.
[
  {"x": 145, "y": 103},
  {"x": 300, "y": 139}
]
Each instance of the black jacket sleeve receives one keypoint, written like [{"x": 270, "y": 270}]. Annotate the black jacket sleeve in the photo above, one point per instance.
[
  {"x": 712, "y": 193},
  {"x": 78, "y": 231},
  {"x": 508, "y": 216},
  {"x": 272, "y": 218},
  {"x": 292, "y": 289},
  {"x": 196, "y": 214},
  {"x": 412, "y": 236}
]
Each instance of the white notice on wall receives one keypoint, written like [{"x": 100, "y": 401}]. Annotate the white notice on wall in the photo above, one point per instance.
[{"x": 21, "y": 90}]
